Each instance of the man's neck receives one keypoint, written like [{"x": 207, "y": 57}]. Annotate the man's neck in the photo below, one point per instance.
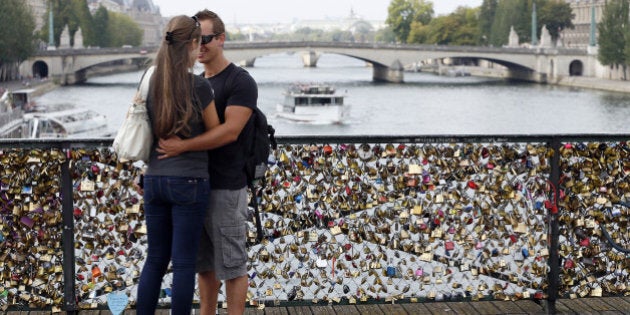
[{"x": 214, "y": 68}]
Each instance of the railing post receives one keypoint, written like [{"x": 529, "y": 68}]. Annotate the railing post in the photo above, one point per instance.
[
  {"x": 69, "y": 288},
  {"x": 554, "y": 265}
]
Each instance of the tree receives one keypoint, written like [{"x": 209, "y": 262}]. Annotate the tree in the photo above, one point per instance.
[
  {"x": 402, "y": 13},
  {"x": 100, "y": 20},
  {"x": 83, "y": 17},
  {"x": 613, "y": 31},
  {"x": 458, "y": 28},
  {"x": 17, "y": 40},
  {"x": 557, "y": 16},
  {"x": 74, "y": 14},
  {"x": 486, "y": 16},
  {"x": 123, "y": 30},
  {"x": 419, "y": 33},
  {"x": 511, "y": 13}
]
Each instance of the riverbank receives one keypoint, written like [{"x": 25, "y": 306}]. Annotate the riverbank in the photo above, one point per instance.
[
  {"x": 43, "y": 86},
  {"x": 40, "y": 87},
  {"x": 574, "y": 82},
  {"x": 595, "y": 83}
]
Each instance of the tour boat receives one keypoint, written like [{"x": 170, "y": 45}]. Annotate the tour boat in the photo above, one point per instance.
[
  {"x": 21, "y": 118},
  {"x": 66, "y": 123},
  {"x": 11, "y": 118},
  {"x": 313, "y": 103}
]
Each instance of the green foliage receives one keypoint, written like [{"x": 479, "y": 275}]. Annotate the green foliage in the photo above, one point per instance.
[
  {"x": 103, "y": 29},
  {"x": 504, "y": 14},
  {"x": 419, "y": 33},
  {"x": 16, "y": 32},
  {"x": 458, "y": 28},
  {"x": 402, "y": 13},
  {"x": 613, "y": 31},
  {"x": 100, "y": 21},
  {"x": 557, "y": 16},
  {"x": 511, "y": 13},
  {"x": 123, "y": 30},
  {"x": 84, "y": 18},
  {"x": 487, "y": 13}
]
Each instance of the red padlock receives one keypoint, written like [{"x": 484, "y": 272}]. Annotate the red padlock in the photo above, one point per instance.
[
  {"x": 569, "y": 264},
  {"x": 449, "y": 245}
]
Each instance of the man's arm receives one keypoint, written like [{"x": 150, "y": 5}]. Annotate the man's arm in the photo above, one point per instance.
[{"x": 236, "y": 118}]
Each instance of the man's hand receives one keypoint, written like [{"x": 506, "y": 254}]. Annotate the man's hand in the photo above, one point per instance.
[{"x": 170, "y": 147}]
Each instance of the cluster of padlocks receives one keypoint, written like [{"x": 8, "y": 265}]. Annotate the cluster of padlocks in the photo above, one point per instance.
[{"x": 343, "y": 223}]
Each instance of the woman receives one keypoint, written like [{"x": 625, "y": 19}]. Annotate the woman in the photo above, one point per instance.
[{"x": 175, "y": 188}]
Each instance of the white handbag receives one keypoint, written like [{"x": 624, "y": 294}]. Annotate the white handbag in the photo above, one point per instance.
[{"x": 134, "y": 138}]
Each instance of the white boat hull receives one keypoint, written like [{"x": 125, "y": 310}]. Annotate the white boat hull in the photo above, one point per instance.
[
  {"x": 329, "y": 114},
  {"x": 75, "y": 123}
]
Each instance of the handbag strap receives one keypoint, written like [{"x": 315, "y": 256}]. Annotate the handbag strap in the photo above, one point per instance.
[{"x": 144, "y": 83}]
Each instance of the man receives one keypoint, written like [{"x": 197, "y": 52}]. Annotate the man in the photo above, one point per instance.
[{"x": 222, "y": 252}]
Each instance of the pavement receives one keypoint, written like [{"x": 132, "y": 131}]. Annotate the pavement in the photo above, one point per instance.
[
  {"x": 596, "y": 83},
  {"x": 41, "y": 86}
]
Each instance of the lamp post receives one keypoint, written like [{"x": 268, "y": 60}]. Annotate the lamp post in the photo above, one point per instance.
[
  {"x": 593, "y": 40},
  {"x": 51, "y": 29},
  {"x": 534, "y": 26}
]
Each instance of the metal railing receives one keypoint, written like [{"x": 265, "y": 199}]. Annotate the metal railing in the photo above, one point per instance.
[{"x": 346, "y": 220}]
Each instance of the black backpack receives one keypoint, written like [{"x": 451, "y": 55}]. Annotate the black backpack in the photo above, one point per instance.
[
  {"x": 263, "y": 141},
  {"x": 257, "y": 154},
  {"x": 256, "y": 162}
]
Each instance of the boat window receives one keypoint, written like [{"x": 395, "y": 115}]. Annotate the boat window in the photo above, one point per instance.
[
  {"x": 50, "y": 129},
  {"x": 301, "y": 101},
  {"x": 339, "y": 100},
  {"x": 321, "y": 101}
]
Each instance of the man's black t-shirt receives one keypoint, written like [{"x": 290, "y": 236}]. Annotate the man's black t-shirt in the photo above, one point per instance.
[{"x": 227, "y": 163}]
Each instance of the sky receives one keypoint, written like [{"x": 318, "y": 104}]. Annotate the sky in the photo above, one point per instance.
[{"x": 286, "y": 11}]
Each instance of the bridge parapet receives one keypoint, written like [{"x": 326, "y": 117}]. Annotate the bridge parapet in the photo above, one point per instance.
[
  {"x": 538, "y": 65},
  {"x": 346, "y": 220},
  {"x": 96, "y": 51}
]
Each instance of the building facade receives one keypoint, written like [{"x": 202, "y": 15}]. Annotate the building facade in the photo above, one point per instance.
[
  {"x": 580, "y": 36},
  {"x": 39, "y": 8}
]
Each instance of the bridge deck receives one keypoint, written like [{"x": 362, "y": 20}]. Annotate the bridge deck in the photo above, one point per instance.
[{"x": 605, "y": 305}]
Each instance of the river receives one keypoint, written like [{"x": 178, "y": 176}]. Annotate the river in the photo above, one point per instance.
[{"x": 425, "y": 104}]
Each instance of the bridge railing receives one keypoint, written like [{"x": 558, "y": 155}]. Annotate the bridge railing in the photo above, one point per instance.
[{"x": 346, "y": 220}]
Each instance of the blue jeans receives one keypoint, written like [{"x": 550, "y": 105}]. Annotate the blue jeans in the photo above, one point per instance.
[{"x": 174, "y": 210}]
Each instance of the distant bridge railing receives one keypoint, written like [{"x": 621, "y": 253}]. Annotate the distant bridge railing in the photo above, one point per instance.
[
  {"x": 308, "y": 44},
  {"x": 96, "y": 51},
  {"x": 372, "y": 219}
]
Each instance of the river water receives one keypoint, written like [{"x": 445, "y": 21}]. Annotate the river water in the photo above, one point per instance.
[{"x": 425, "y": 104}]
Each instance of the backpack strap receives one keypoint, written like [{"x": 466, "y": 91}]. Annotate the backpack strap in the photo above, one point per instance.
[{"x": 254, "y": 201}]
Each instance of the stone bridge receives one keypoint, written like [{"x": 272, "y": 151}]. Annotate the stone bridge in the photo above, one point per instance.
[
  {"x": 71, "y": 66},
  {"x": 388, "y": 60}
]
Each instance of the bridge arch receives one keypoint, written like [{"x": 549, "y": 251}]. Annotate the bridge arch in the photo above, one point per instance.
[
  {"x": 576, "y": 68},
  {"x": 70, "y": 66},
  {"x": 40, "y": 69}
]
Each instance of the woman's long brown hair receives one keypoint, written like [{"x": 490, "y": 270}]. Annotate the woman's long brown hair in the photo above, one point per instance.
[{"x": 172, "y": 85}]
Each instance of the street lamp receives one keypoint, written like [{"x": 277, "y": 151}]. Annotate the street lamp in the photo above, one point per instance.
[
  {"x": 51, "y": 29},
  {"x": 593, "y": 41},
  {"x": 534, "y": 26}
]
